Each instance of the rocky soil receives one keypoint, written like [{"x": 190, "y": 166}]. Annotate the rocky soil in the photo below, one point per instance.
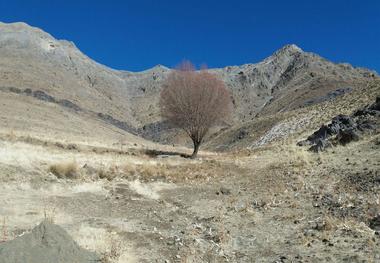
[{"x": 272, "y": 204}]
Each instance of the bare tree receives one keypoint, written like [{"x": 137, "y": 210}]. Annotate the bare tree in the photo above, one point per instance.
[{"x": 194, "y": 101}]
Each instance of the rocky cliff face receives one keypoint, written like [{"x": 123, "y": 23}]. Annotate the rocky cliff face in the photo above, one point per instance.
[{"x": 288, "y": 79}]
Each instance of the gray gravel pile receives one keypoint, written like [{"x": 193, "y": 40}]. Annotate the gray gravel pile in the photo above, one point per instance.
[{"x": 46, "y": 243}]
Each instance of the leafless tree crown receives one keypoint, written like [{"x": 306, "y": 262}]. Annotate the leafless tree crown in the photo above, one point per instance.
[{"x": 194, "y": 100}]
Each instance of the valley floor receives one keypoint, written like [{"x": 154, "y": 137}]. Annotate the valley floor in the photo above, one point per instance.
[{"x": 276, "y": 203}]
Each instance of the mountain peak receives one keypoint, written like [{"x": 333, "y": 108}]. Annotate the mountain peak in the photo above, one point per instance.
[
  {"x": 15, "y": 24},
  {"x": 19, "y": 26},
  {"x": 292, "y": 47},
  {"x": 159, "y": 66},
  {"x": 289, "y": 49}
]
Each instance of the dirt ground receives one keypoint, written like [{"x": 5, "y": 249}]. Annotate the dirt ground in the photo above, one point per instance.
[{"x": 277, "y": 203}]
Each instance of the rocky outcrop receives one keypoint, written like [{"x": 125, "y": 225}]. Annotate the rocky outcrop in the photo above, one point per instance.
[
  {"x": 344, "y": 129},
  {"x": 41, "y": 95}
]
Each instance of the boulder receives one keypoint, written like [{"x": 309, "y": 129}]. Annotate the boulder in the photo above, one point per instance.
[
  {"x": 374, "y": 223},
  {"x": 346, "y": 136},
  {"x": 344, "y": 129},
  {"x": 321, "y": 145}
]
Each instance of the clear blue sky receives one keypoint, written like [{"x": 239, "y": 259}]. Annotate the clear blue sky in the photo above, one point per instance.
[{"x": 136, "y": 35}]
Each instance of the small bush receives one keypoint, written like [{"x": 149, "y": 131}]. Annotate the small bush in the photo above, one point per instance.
[
  {"x": 72, "y": 146},
  {"x": 113, "y": 253},
  {"x": 65, "y": 170},
  {"x": 108, "y": 173}
]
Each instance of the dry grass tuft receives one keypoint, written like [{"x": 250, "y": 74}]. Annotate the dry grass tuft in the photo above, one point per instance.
[
  {"x": 114, "y": 251},
  {"x": 187, "y": 171},
  {"x": 110, "y": 173},
  {"x": 174, "y": 172},
  {"x": 4, "y": 231},
  {"x": 12, "y": 136},
  {"x": 49, "y": 214},
  {"x": 288, "y": 154},
  {"x": 65, "y": 170}
]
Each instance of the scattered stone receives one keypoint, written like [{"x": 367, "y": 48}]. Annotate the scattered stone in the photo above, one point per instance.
[
  {"x": 374, "y": 223},
  {"x": 225, "y": 191},
  {"x": 366, "y": 180},
  {"x": 242, "y": 134},
  {"x": 240, "y": 206}
]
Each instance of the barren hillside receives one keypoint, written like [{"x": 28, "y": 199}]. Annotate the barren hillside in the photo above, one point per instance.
[{"x": 37, "y": 68}]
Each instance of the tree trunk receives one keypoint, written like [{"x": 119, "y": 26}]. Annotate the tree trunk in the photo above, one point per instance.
[{"x": 196, "y": 148}]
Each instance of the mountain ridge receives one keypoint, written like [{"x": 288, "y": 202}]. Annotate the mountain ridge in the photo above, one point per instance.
[
  {"x": 32, "y": 59},
  {"x": 287, "y": 47}
]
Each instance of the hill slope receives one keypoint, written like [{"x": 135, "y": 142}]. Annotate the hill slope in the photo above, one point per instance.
[{"x": 35, "y": 68}]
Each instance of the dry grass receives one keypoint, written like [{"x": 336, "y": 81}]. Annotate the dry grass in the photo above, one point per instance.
[
  {"x": 296, "y": 156},
  {"x": 187, "y": 170},
  {"x": 200, "y": 171},
  {"x": 49, "y": 213},
  {"x": 286, "y": 157},
  {"x": 109, "y": 173},
  {"x": 114, "y": 250},
  {"x": 65, "y": 170},
  {"x": 4, "y": 231}
]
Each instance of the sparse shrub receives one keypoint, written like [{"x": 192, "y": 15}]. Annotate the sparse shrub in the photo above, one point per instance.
[
  {"x": 106, "y": 174},
  {"x": 114, "y": 251},
  {"x": 59, "y": 145},
  {"x": 109, "y": 173},
  {"x": 65, "y": 170},
  {"x": 102, "y": 173},
  {"x": 4, "y": 232},
  {"x": 49, "y": 214},
  {"x": 294, "y": 156},
  {"x": 72, "y": 146},
  {"x": 12, "y": 136}
]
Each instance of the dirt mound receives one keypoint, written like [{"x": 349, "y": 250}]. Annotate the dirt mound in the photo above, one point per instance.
[
  {"x": 46, "y": 243},
  {"x": 344, "y": 129}
]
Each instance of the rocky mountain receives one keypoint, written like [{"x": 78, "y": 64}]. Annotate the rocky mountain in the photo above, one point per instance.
[
  {"x": 34, "y": 64},
  {"x": 31, "y": 58},
  {"x": 288, "y": 79},
  {"x": 290, "y": 74}
]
